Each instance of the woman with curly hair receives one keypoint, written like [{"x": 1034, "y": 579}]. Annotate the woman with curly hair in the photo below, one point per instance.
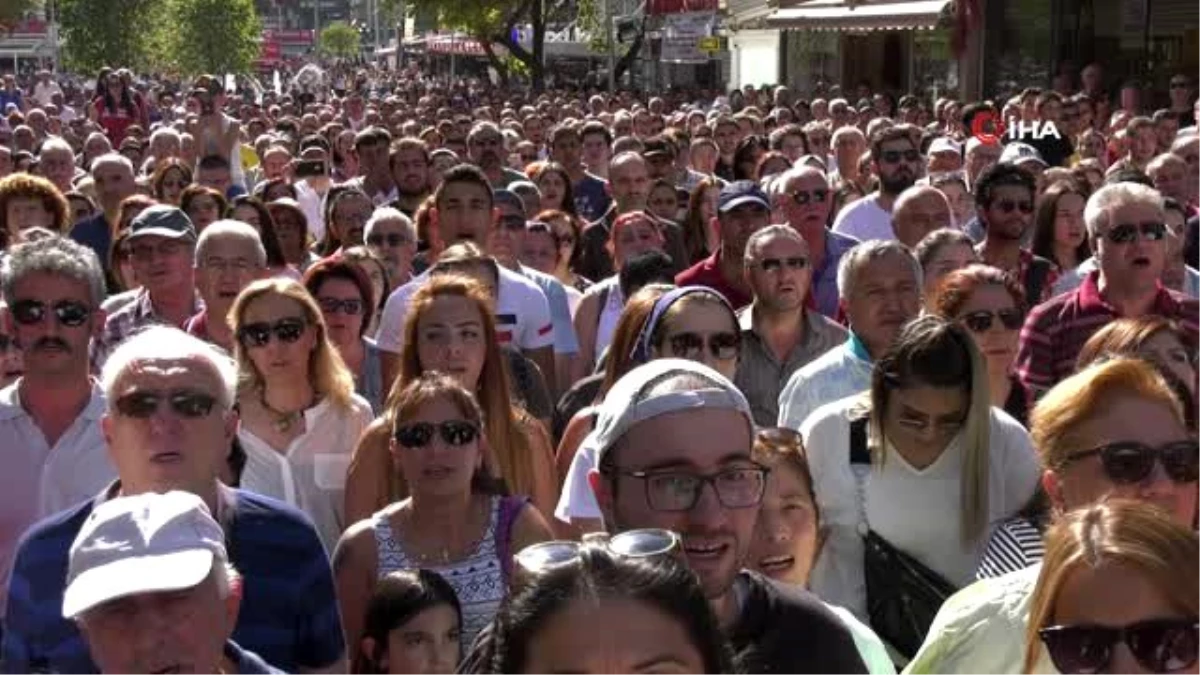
[{"x": 30, "y": 201}]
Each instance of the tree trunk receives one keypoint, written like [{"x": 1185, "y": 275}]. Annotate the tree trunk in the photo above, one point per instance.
[
  {"x": 537, "y": 69},
  {"x": 501, "y": 69}
]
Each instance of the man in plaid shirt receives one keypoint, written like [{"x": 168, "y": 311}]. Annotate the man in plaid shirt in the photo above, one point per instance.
[{"x": 1128, "y": 236}]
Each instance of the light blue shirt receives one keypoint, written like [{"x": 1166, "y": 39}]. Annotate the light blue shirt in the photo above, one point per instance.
[
  {"x": 1071, "y": 279},
  {"x": 565, "y": 341},
  {"x": 836, "y": 374}
]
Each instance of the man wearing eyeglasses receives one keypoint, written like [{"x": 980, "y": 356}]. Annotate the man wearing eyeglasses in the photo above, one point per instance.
[
  {"x": 168, "y": 424},
  {"x": 229, "y": 256},
  {"x": 672, "y": 450},
  {"x": 780, "y": 330},
  {"x": 1004, "y": 202},
  {"x": 898, "y": 163},
  {"x": 50, "y": 417},
  {"x": 392, "y": 237},
  {"x": 1127, "y": 233}
]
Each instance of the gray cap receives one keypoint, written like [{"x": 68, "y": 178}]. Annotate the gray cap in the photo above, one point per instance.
[{"x": 163, "y": 221}]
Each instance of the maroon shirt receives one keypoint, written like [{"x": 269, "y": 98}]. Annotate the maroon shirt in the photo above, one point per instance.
[
  {"x": 707, "y": 272},
  {"x": 1056, "y": 330}
]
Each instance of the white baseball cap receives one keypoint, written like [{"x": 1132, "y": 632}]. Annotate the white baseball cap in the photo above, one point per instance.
[
  {"x": 146, "y": 543},
  {"x": 1019, "y": 153},
  {"x": 943, "y": 144}
]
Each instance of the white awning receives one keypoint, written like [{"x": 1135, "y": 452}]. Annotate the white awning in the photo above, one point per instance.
[{"x": 843, "y": 15}]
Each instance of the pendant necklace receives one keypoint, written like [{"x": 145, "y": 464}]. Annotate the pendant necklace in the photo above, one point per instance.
[{"x": 283, "y": 420}]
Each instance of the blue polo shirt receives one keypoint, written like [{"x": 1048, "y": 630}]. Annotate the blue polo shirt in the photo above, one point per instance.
[{"x": 289, "y": 613}]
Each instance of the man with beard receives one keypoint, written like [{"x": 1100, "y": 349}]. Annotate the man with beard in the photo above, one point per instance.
[
  {"x": 897, "y": 162},
  {"x": 485, "y": 148},
  {"x": 1004, "y": 202},
  {"x": 589, "y": 190},
  {"x": 410, "y": 167},
  {"x": 50, "y": 418},
  {"x": 779, "y": 333}
]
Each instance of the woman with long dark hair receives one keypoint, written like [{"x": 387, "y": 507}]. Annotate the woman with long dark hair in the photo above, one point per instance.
[
  {"x": 1059, "y": 233},
  {"x": 114, "y": 107}
]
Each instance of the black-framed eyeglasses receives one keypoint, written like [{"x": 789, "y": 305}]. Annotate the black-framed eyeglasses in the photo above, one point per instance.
[
  {"x": 1159, "y": 645},
  {"x": 981, "y": 321},
  {"x": 739, "y": 487},
  {"x": 688, "y": 345},
  {"x": 1009, "y": 205},
  {"x": 771, "y": 265},
  {"x": 1131, "y": 462},
  {"x": 452, "y": 432},
  {"x": 347, "y": 306},
  {"x": 1127, "y": 233},
  {"x": 894, "y": 156},
  {"x": 806, "y": 197},
  {"x": 287, "y": 331},
  {"x": 185, "y": 402},
  {"x": 392, "y": 239},
  {"x": 70, "y": 313}
]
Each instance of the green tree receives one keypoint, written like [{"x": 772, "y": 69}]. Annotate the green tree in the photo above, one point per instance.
[
  {"x": 12, "y": 11},
  {"x": 97, "y": 33},
  {"x": 209, "y": 36},
  {"x": 492, "y": 22},
  {"x": 340, "y": 39}
]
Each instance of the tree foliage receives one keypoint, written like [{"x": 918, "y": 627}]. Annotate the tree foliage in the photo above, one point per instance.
[
  {"x": 493, "y": 21},
  {"x": 210, "y": 36},
  {"x": 340, "y": 39},
  {"x": 12, "y": 11},
  {"x": 96, "y": 33}
]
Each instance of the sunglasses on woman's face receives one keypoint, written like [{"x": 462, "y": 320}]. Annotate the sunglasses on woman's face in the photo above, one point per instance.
[
  {"x": 982, "y": 320},
  {"x": 453, "y": 432},
  {"x": 723, "y": 346},
  {"x": 287, "y": 331},
  {"x": 1159, "y": 645},
  {"x": 349, "y": 306},
  {"x": 1130, "y": 462}
]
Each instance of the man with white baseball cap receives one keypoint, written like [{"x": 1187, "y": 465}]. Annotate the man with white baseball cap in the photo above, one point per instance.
[
  {"x": 666, "y": 432},
  {"x": 945, "y": 154},
  {"x": 150, "y": 585}
]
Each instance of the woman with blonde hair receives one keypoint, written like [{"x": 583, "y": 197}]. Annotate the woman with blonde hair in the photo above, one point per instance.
[
  {"x": 300, "y": 416},
  {"x": 450, "y": 328},
  {"x": 1117, "y": 593}
]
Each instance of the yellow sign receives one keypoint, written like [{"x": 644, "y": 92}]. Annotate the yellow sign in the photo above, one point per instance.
[{"x": 709, "y": 44}]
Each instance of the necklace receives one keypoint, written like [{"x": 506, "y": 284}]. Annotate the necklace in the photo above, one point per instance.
[{"x": 283, "y": 420}]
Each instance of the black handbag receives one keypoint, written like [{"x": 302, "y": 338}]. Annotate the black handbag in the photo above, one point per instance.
[{"x": 903, "y": 595}]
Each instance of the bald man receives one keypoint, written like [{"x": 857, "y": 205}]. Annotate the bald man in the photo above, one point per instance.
[{"x": 919, "y": 210}]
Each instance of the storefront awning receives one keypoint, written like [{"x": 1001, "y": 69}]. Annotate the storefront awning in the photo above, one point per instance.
[{"x": 847, "y": 15}]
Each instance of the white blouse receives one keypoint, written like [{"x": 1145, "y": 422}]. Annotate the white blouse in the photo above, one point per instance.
[
  {"x": 916, "y": 510},
  {"x": 311, "y": 473}
]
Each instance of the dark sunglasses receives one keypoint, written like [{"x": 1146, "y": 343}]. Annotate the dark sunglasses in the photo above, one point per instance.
[
  {"x": 453, "y": 432},
  {"x": 143, "y": 404},
  {"x": 1127, "y": 233},
  {"x": 777, "y": 264},
  {"x": 1159, "y": 645},
  {"x": 286, "y": 331},
  {"x": 1179, "y": 85},
  {"x": 894, "y": 156},
  {"x": 722, "y": 346},
  {"x": 1129, "y": 462},
  {"x": 1008, "y": 206},
  {"x": 982, "y": 320},
  {"x": 393, "y": 240},
  {"x": 348, "y": 306},
  {"x": 68, "y": 312},
  {"x": 806, "y": 197}
]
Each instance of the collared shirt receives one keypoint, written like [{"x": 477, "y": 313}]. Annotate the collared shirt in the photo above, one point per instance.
[
  {"x": 707, "y": 272},
  {"x": 39, "y": 480},
  {"x": 377, "y": 198},
  {"x": 1071, "y": 279},
  {"x": 127, "y": 321},
  {"x": 565, "y": 341},
  {"x": 824, "y": 289},
  {"x": 310, "y": 473},
  {"x": 1057, "y": 329},
  {"x": 289, "y": 613},
  {"x": 761, "y": 376},
  {"x": 840, "y": 372}
]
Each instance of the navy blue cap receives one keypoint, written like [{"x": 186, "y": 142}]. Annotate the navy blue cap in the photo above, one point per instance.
[
  {"x": 739, "y": 193},
  {"x": 509, "y": 197}
]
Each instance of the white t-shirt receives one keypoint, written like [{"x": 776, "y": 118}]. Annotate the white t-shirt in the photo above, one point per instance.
[
  {"x": 916, "y": 510},
  {"x": 865, "y": 220},
  {"x": 522, "y": 314}
]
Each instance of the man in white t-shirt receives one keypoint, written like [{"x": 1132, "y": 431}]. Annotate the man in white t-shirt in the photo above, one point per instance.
[
  {"x": 897, "y": 162},
  {"x": 44, "y": 90},
  {"x": 464, "y": 212}
]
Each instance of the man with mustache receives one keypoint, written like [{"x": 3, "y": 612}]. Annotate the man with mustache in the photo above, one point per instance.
[
  {"x": 485, "y": 147},
  {"x": 50, "y": 418},
  {"x": 897, "y": 162}
]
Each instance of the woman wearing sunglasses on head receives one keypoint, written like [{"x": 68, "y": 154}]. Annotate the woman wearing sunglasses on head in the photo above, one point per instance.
[
  {"x": 456, "y": 520},
  {"x": 1117, "y": 593},
  {"x": 299, "y": 414},
  {"x": 619, "y": 605},
  {"x": 413, "y": 624},
  {"x": 450, "y": 328},
  {"x": 909, "y": 479},
  {"x": 991, "y": 306}
]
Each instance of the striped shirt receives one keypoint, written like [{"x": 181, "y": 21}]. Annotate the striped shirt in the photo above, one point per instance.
[
  {"x": 289, "y": 614},
  {"x": 1014, "y": 545},
  {"x": 1056, "y": 330}
]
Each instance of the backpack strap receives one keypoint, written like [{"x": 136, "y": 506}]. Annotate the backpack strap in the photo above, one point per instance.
[
  {"x": 510, "y": 508},
  {"x": 859, "y": 452}
]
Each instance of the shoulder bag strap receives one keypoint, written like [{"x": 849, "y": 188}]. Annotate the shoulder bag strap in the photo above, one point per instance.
[{"x": 860, "y": 465}]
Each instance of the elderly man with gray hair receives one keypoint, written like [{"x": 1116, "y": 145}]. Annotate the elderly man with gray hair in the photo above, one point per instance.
[
  {"x": 150, "y": 585},
  {"x": 169, "y": 425},
  {"x": 56, "y": 161},
  {"x": 392, "y": 237},
  {"x": 1128, "y": 236},
  {"x": 229, "y": 255},
  {"x": 880, "y": 285}
]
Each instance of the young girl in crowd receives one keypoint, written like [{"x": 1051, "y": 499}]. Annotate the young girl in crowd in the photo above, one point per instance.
[{"x": 413, "y": 624}]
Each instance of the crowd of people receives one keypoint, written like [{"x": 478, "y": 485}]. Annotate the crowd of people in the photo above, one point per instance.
[{"x": 404, "y": 376}]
